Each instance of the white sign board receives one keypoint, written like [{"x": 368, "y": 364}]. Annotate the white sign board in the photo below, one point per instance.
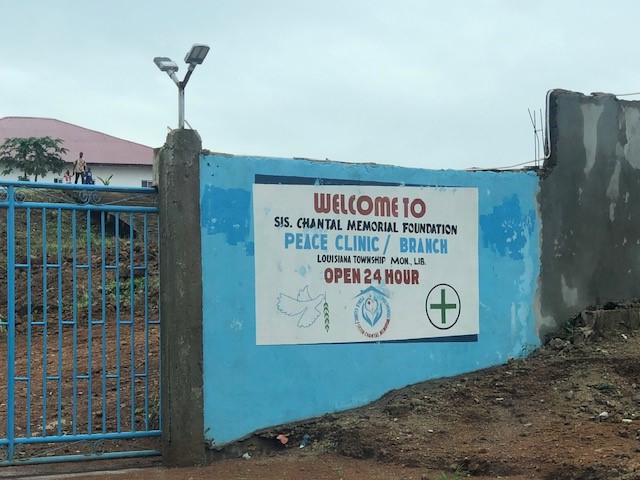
[{"x": 337, "y": 264}]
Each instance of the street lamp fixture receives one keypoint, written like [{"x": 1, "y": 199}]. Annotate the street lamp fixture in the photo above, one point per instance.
[
  {"x": 166, "y": 64},
  {"x": 194, "y": 57},
  {"x": 196, "y": 54}
]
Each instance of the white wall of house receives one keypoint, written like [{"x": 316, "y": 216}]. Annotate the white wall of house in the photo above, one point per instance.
[{"x": 123, "y": 175}]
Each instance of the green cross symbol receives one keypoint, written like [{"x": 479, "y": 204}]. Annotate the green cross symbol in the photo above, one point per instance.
[{"x": 443, "y": 306}]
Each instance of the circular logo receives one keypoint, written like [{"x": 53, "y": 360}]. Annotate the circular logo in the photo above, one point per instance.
[
  {"x": 443, "y": 306},
  {"x": 372, "y": 313}
]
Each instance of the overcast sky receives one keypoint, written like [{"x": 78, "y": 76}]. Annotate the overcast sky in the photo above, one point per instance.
[{"x": 420, "y": 83}]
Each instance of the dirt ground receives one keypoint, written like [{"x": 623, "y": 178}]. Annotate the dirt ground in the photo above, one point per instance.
[{"x": 569, "y": 411}]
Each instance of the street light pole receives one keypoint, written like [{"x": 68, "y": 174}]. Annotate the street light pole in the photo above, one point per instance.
[
  {"x": 180, "y": 106},
  {"x": 194, "y": 57}
]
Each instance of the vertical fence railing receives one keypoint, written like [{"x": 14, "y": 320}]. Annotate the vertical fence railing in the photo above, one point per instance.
[
  {"x": 11, "y": 313},
  {"x": 79, "y": 323}
]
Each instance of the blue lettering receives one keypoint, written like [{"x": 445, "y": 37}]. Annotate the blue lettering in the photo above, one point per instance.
[
  {"x": 357, "y": 243},
  {"x": 423, "y": 245},
  {"x": 289, "y": 238},
  {"x": 305, "y": 241}
]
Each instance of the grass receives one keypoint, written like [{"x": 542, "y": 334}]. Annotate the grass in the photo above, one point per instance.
[
  {"x": 153, "y": 411},
  {"x": 116, "y": 293},
  {"x": 34, "y": 241},
  {"x": 457, "y": 475},
  {"x": 121, "y": 291}
]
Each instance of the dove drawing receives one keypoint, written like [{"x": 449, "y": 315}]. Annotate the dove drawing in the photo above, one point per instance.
[{"x": 306, "y": 308}]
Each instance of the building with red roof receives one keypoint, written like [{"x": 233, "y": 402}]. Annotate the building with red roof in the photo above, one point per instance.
[{"x": 129, "y": 163}]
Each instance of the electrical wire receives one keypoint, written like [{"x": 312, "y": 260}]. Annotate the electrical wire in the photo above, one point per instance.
[{"x": 508, "y": 166}]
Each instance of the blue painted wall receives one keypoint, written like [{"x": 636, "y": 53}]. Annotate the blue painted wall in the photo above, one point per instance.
[{"x": 249, "y": 387}]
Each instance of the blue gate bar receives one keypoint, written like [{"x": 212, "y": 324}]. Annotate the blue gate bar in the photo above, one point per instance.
[
  {"x": 157, "y": 322},
  {"x": 68, "y": 438},
  {"x": 11, "y": 319},
  {"x": 146, "y": 326},
  {"x": 74, "y": 187},
  {"x": 89, "y": 329},
  {"x": 29, "y": 320},
  {"x": 92, "y": 208},
  {"x": 104, "y": 323},
  {"x": 60, "y": 326},
  {"x": 132, "y": 297},
  {"x": 45, "y": 342},
  {"x": 74, "y": 302},
  {"x": 118, "y": 340},
  {"x": 79, "y": 458}
]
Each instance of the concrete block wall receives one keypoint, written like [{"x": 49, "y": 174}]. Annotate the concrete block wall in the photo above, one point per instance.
[
  {"x": 589, "y": 204},
  {"x": 249, "y": 386}
]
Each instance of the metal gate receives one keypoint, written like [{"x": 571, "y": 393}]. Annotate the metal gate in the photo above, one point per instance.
[{"x": 79, "y": 323}]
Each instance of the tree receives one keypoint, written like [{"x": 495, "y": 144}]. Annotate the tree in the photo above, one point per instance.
[{"x": 34, "y": 156}]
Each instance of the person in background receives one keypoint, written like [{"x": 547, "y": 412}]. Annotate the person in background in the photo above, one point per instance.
[
  {"x": 88, "y": 177},
  {"x": 67, "y": 177},
  {"x": 79, "y": 167}
]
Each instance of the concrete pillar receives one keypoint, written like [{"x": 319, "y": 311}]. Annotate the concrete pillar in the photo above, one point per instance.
[{"x": 178, "y": 181}]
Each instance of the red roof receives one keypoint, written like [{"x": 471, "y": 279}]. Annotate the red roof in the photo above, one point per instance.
[{"x": 98, "y": 147}]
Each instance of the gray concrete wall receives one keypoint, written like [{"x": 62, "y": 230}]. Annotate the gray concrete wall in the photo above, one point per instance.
[
  {"x": 178, "y": 182},
  {"x": 590, "y": 205}
]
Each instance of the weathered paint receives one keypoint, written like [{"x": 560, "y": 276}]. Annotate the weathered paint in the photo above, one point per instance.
[
  {"x": 248, "y": 387},
  {"x": 590, "y": 249}
]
